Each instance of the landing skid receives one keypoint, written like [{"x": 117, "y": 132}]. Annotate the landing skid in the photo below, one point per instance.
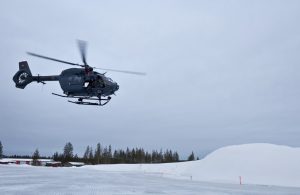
[{"x": 102, "y": 101}]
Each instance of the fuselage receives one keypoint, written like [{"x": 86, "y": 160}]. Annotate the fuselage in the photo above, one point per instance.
[{"x": 78, "y": 82}]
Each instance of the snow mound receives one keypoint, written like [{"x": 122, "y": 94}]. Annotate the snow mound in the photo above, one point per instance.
[
  {"x": 259, "y": 163},
  {"x": 264, "y": 164}
]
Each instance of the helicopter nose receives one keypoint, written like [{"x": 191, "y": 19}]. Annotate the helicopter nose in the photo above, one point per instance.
[{"x": 116, "y": 87}]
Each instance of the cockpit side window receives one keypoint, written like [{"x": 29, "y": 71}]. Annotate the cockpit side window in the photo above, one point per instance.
[
  {"x": 86, "y": 83},
  {"x": 96, "y": 82}
]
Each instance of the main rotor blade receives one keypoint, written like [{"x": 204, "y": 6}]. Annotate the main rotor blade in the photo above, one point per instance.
[
  {"x": 122, "y": 71},
  {"x": 53, "y": 59},
  {"x": 82, "y": 48}
]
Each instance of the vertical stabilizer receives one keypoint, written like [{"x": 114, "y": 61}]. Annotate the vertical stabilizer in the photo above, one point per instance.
[{"x": 23, "y": 77}]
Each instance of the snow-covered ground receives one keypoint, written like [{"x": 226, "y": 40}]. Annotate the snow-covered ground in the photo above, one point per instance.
[
  {"x": 265, "y": 169},
  {"x": 263, "y": 164},
  {"x": 27, "y": 180}
]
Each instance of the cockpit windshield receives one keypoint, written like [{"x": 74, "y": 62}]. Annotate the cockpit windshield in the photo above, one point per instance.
[{"x": 109, "y": 79}]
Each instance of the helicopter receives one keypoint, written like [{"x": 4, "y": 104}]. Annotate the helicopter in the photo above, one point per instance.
[{"x": 84, "y": 84}]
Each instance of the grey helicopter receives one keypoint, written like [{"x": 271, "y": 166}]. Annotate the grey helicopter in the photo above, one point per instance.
[{"x": 84, "y": 84}]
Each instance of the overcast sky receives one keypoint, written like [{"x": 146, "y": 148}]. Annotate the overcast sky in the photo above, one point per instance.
[{"x": 218, "y": 73}]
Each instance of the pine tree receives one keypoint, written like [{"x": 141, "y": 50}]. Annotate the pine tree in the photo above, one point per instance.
[
  {"x": 35, "y": 158},
  {"x": 91, "y": 156},
  {"x": 68, "y": 152},
  {"x": 56, "y": 156},
  {"x": 160, "y": 156},
  {"x": 133, "y": 155},
  {"x": 175, "y": 157},
  {"x": 147, "y": 157},
  {"x": 109, "y": 152},
  {"x": 105, "y": 155},
  {"x": 1, "y": 150},
  {"x": 76, "y": 158},
  {"x": 191, "y": 157},
  {"x": 98, "y": 153},
  {"x": 127, "y": 155},
  {"x": 86, "y": 154}
]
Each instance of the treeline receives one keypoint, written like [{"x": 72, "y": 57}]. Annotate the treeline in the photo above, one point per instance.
[
  {"x": 105, "y": 155},
  {"x": 18, "y": 156},
  {"x": 25, "y": 156}
]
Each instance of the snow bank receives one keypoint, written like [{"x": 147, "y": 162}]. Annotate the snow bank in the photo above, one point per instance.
[{"x": 264, "y": 164}]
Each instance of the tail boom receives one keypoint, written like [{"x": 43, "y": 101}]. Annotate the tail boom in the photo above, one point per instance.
[{"x": 23, "y": 77}]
